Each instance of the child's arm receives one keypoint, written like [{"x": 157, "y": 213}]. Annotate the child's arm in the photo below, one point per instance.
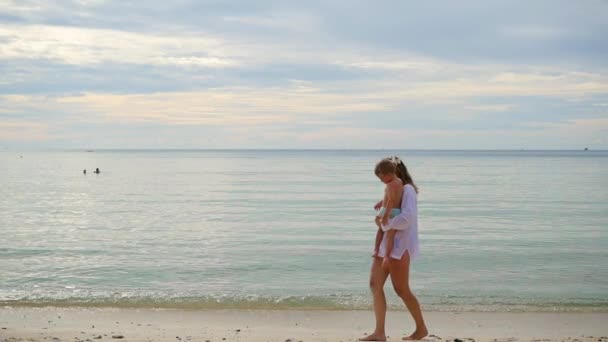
[
  {"x": 393, "y": 197},
  {"x": 383, "y": 203},
  {"x": 378, "y": 205}
]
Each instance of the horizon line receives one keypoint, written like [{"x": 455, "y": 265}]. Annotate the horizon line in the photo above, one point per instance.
[{"x": 299, "y": 149}]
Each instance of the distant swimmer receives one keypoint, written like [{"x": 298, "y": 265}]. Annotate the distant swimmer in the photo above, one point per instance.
[
  {"x": 84, "y": 171},
  {"x": 97, "y": 170}
]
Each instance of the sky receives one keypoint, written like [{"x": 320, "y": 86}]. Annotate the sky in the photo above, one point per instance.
[{"x": 303, "y": 74}]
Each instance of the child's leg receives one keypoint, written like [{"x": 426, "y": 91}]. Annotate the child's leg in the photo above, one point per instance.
[{"x": 390, "y": 237}]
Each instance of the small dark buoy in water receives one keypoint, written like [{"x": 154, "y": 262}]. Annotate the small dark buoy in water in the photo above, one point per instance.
[
  {"x": 97, "y": 170},
  {"x": 586, "y": 149},
  {"x": 84, "y": 171}
]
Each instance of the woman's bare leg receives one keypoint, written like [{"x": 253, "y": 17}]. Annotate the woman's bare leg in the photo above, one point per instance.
[
  {"x": 377, "y": 278},
  {"x": 400, "y": 274}
]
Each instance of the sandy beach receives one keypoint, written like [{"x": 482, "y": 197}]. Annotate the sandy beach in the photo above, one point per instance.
[{"x": 90, "y": 324}]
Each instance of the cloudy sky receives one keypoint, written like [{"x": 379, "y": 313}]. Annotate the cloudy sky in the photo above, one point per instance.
[{"x": 304, "y": 74}]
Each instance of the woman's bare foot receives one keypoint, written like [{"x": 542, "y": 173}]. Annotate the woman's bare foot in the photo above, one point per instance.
[
  {"x": 374, "y": 337},
  {"x": 417, "y": 335}
]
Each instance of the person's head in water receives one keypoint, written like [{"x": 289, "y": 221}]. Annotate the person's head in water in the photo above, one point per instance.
[
  {"x": 97, "y": 170},
  {"x": 386, "y": 170},
  {"x": 402, "y": 172}
]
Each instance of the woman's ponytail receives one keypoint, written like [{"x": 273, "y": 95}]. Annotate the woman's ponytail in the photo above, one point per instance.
[{"x": 402, "y": 172}]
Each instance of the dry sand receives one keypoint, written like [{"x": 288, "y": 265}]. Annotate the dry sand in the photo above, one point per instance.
[{"x": 99, "y": 324}]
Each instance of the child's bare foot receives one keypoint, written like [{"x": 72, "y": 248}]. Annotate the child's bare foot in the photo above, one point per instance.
[
  {"x": 374, "y": 337},
  {"x": 417, "y": 335}
]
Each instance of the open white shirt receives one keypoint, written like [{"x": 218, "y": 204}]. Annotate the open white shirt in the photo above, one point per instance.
[
  {"x": 406, "y": 225},
  {"x": 409, "y": 211}
]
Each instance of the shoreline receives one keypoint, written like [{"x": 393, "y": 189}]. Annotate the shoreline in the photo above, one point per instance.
[
  {"x": 147, "y": 324},
  {"x": 222, "y": 306}
]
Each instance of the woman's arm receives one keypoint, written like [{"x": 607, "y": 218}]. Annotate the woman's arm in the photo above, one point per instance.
[
  {"x": 379, "y": 235},
  {"x": 409, "y": 210}
]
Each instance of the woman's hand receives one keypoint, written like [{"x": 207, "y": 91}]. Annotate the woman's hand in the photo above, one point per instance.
[
  {"x": 378, "y": 221},
  {"x": 378, "y": 206},
  {"x": 385, "y": 262},
  {"x": 385, "y": 220}
]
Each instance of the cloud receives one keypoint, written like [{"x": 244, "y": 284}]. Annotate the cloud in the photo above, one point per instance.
[
  {"x": 490, "y": 107},
  {"x": 293, "y": 21},
  {"x": 238, "y": 106},
  {"x": 284, "y": 74},
  {"x": 574, "y": 125},
  {"x": 23, "y": 131},
  {"x": 84, "y": 46},
  {"x": 534, "y": 32},
  {"x": 460, "y": 98}
]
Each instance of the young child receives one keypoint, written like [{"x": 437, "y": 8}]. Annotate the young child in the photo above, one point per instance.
[{"x": 386, "y": 171}]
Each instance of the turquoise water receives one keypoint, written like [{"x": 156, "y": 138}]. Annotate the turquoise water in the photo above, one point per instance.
[{"x": 499, "y": 230}]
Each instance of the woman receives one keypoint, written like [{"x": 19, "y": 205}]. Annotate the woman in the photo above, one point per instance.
[{"x": 405, "y": 248}]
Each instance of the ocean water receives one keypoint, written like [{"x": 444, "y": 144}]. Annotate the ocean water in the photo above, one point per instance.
[{"x": 499, "y": 230}]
